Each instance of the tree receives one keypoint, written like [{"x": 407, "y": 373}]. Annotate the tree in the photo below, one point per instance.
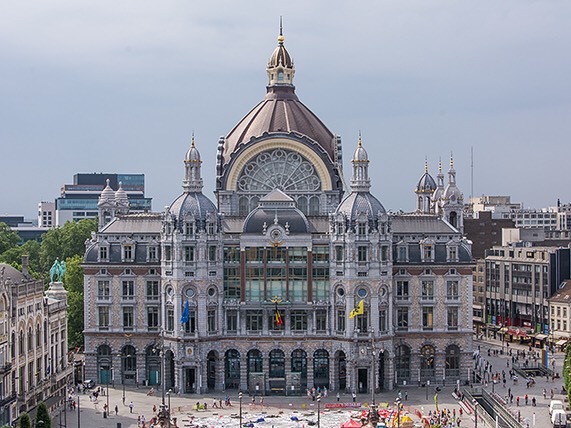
[
  {"x": 8, "y": 238},
  {"x": 65, "y": 242},
  {"x": 13, "y": 257},
  {"x": 75, "y": 319},
  {"x": 25, "y": 421},
  {"x": 43, "y": 419},
  {"x": 73, "y": 278}
]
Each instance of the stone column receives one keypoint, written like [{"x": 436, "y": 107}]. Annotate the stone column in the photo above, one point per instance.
[
  {"x": 243, "y": 372},
  {"x": 310, "y": 381}
]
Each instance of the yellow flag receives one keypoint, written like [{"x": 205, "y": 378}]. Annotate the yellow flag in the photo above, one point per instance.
[{"x": 359, "y": 310}]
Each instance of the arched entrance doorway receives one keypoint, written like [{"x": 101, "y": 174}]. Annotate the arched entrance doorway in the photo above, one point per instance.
[
  {"x": 255, "y": 372},
  {"x": 104, "y": 364},
  {"x": 232, "y": 369},
  {"x": 299, "y": 370},
  {"x": 321, "y": 368},
  {"x": 211, "y": 370},
  {"x": 341, "y": 370},
  {"x": 277, "y": 372},
  {"x": 402, "y": 364},
  {"x": 381, "y": 371},
  {"x": 153, "y": 366}
]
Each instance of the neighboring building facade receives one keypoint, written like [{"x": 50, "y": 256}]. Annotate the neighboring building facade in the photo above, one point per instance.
[
  {"x": 255, "y": 293},
  {"x": 519, "y": 281},
  {"x": 34, "y": 364},
  {"x": 46, "y": 214},
  {"x": 560, "y": 313},
  {"x": 79, "y": 200}
]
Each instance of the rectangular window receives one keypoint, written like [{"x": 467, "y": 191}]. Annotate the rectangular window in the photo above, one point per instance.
[
  {"x": 128, "y": 318},
  {"x": 152, "y": 253},
  {"x": 103, "y": 290},
  {"x": 452, "y": 290},
  {"x": 402, "y": 319},
  {"x": 212, "y": 253},
  {"x": 361, "y": 229},
  {"x": 427, "y": 290},
  {"x": 452, "y": 318},
  {"x": 211, "y": 320},
  {"x": 402, "y": 253},
  {"x": 189, "y": 228},
  {"x": 321, "y": 320},
  {"x": 254, "y": 320},
  {"x": 402, "y": 290},
  {"x": 231, "y": 321},
  {"x": 128, "y": 252},
  {"x": 188, "y": 254},
  {"x": 103, "y": 317},
  {"x": 362, "y": 253},
  {"x": 190, "y": 326},
  {"x": 128, "y": 290},
  {"x": 564, "y": 312},
  {"x": 341, "y": 320},
  {"x": 339, "y": 253},
  {"x": 427, "y": 252},
  {"x": 153, "y": 318},
  {"x": 384, "y": 253},
  {"x": 103, "y": 253},
  {"x": 298, "y": 321},
  {"x": 383, "y": 320},
  {"x": 170, "y": 320},
  {"x": 152, "y": 290},
  {"x": 168, "y": 251},
  {"x": 453, "y": 253},
  {"x": 427, "y": 317},
  {"x": 362, "y": 323}
]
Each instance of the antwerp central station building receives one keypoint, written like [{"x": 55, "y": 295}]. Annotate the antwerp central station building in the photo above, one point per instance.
[{"x": 254, "y": 290}]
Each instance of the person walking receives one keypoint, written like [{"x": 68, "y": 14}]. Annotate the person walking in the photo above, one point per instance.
[
  {"x": 131, "y": 407},
  {"x": 338, "y": 397},
  {"x": 116, "y": 410}
]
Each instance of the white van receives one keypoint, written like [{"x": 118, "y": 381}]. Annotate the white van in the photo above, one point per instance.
[
  {"x": 555, "y": 405},
  {"x": 559, "y": 418}
]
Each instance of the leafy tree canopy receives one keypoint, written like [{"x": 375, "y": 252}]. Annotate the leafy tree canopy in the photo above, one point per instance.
[
  {"x": 25, "y": 421},
  {"x": 75, "y": 319},
  {"x": 8, "y": 238},
  {"x": 73, "y": 278},
  {"x": 43, "y": 419},
  {"x": 13, "y": 257},
  {"x": 66, "y": 241}
]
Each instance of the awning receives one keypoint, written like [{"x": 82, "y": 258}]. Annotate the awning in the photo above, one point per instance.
[
  {"x": 541, "y": 336},
  {"x": 517, "y": 332},
  {"x": 503, "y": 330},
  {"x": 561, "y": 342}
]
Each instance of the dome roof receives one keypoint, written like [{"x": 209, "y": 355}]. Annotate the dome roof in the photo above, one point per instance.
[
  {"x": 192, "y": 155},
  {"x": 360, "y": 153},
  {"x": 279, "y": 111},
  {"x": 107, "y": 195},
  {"x": 194, "y": 203},
  {"x": 280, "y": 56},
  {"x": 121, "y": 197},
  {"x": 360, "y": 202},
  {"x": 426, "y": 183}
]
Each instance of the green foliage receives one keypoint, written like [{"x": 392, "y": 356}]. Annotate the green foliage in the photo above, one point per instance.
[
  {"x": 75, "y": 318},
  {"x": 8, "y": 238},
  {"x": 25, "y": 421},
  {"x": 43, "y": 419},
  {"x": 65, "y": 242},
  {"x": 73, "y": 278},
  {"x": 13, "y": 257}
]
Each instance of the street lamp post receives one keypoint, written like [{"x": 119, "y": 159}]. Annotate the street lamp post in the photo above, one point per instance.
[
  {"x": 169, "y": 408},
  {"x": 427, "y": 384},
  {"x": 373, "y": 383},
  {"x": 319, "y": 411},
  {"x": 78, "y": 413},
  {"x": 108, "y": 375},
  {"x": 122, "y": 375},
  {"x": 240, "y": 399},
  {"x": 398, "y": 412},
  {"x": 475, "y": 413}
]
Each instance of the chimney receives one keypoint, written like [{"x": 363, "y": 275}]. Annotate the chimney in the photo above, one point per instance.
[{"x": 25, "y": 265}]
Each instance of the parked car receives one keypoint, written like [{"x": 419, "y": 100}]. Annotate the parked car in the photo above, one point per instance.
[
  {"x": 555, "y": 405},
  {"x": 559, "y": 418},
  {"x": 88, "y": 384}
]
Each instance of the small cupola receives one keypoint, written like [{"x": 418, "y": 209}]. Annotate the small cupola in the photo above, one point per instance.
[{"x": 280, "y": 67}]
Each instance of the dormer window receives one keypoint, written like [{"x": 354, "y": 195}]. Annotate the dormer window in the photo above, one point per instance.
[
  {"x": 427, "y": 250},
  {"x": 280, "y": 75},
  {"x": 402, "y": 253},
  {"x": 452, "y": 253},
  {"x": 362, "y": 230},
  {"x": 189, "y": 228},
  {"x": 153, "y": 253},
  {"x": 128, "y": 253},
  {"x": 103, "y": 253}
]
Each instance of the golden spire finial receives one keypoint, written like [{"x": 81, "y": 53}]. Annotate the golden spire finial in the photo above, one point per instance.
[
  {"x": 281, "y": 36},
  {"x": 360, "y": 142},
  {"x": 440, "y": 165},
  {"x": 451, "y": 160},
  {"x": 192, "y": 142},
  {"x": 425, "y": 165}
]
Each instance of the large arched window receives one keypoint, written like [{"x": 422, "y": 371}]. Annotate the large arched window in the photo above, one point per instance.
[
  {"x": 279, "y": 169},
  {"x": 427, "y": 354},
  {"x": 452, "y": 362},
  {"x": 321, "y": 368},
  {"x": 277, "y": 363},
  {"x": 232, "y": 369},
  {"x": 402, "y": 363}
]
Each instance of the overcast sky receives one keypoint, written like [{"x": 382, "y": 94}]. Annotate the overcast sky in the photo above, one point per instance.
[{"x": 119, "y": 86}]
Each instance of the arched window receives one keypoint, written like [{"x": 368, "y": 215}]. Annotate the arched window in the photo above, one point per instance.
[
  {"x": 314, "y": 205},
  {"x": 402, "y": 363},
  {"x": 452, "y": 362},
  {"x": 21, "y": 343},
  {"x": 30, "y": 339},
  {"x": 38, "y": 335},
  {"x": 321, "y": 368},
  {"x": 232, "y": 368},
  {"x": 302, "y": 204},
  {"x": 427, "y": 354},
  {"x": 277, "y": 363},
  {"x": 453, "y": 219},
  {"x": 243, "y": 205}
]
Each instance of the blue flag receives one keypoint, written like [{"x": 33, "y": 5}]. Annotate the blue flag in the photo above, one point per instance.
[{"x": 184, "y": 317}]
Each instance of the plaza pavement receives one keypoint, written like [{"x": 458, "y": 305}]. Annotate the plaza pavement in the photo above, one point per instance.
[{"x": 91, "y": 413}]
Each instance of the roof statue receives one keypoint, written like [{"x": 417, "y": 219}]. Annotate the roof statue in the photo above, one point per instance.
[{"x": 57, "y": 270}]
